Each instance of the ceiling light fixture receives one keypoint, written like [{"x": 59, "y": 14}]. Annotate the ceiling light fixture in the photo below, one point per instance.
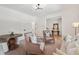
[{"x": 38, "y": 6}]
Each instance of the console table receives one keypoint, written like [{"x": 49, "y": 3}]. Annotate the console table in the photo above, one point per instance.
[{"x": 55, "y": 33}]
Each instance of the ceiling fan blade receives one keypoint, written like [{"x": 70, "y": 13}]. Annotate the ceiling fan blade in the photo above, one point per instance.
[{"x": 39, "y": 8}]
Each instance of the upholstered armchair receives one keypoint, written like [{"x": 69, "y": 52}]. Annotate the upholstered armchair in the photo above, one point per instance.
[
  {"x": 47, "y": 34},
  {"x": 33, "y": 47}
]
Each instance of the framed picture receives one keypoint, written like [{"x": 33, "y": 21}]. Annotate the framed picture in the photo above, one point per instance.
[
  {"x": 56, "y": 26},
  {"x": 55, "y": 29}
]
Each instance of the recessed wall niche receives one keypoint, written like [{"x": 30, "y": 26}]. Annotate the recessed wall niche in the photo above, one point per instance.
[{"x": 50, "y": 24}]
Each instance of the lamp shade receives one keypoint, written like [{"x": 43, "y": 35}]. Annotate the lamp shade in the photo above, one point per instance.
[{"x": 75, "y": 24}]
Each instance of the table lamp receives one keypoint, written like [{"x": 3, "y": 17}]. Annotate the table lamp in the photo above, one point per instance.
[{"x": 75, "y": 25}]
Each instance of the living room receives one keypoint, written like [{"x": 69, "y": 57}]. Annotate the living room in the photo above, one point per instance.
[{"x": 48, "y": 25}]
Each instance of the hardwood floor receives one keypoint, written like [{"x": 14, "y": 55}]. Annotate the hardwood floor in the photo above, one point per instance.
[{"x": 50, "y": 48}]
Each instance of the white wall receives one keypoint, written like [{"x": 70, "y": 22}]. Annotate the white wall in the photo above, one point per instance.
[
  {"x": 70, "y": 14},
  {"x": 17, "y": 21},
  {"x": 53, "y": 20},
  {"x": 11, "y": 20},
  {"x": 40, "y": 26},
  {"x": 41, "y": 22}
]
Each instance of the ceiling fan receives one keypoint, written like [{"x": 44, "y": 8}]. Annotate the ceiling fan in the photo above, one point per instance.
[{"x": 38, "y": 6}]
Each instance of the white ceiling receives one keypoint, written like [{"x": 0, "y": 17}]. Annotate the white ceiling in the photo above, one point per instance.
[{"x": 28, "y": 9}]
